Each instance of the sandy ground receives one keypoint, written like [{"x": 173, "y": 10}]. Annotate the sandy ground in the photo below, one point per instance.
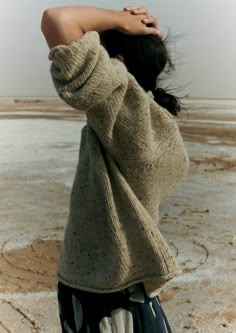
[{"x": 38, "y": 155}]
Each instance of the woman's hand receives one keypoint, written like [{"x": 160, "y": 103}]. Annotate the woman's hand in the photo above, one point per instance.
[{"x": 149, "y": 20}]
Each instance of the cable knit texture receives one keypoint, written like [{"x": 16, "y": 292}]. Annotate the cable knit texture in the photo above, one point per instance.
[{"x": 131, "y": 157}]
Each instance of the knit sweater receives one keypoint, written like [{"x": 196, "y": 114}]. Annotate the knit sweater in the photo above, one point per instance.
[{"x": 131, "y": 157}]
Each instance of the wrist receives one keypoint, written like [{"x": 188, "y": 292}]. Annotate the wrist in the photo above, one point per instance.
[
  {"x": 121, "y": 20},
  {"x": 99, "y": 19},
  {"x": 113, "y": 19}
]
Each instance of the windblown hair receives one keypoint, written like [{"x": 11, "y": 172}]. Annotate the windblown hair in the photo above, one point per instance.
[{"x": 145, "y": 57}]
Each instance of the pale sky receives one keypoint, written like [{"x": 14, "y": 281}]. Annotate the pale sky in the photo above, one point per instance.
[{"x": 206, "y": 50}]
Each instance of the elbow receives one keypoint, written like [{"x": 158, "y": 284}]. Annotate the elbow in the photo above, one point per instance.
[
  {"x": 51, "y": 24},
  {"x": 46, "y": 20},
  {"x": 49, "y": 20}
]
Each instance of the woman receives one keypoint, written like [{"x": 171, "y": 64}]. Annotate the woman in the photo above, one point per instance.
[{"x": 114, "y": 260}]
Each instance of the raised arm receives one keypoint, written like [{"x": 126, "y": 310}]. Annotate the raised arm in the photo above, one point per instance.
[
  {"x": 63, "y": 25},
  {"x": 83, "y": 74}
]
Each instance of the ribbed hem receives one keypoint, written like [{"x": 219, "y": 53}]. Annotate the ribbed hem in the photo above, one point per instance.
[{"x": 152, "y": 284}]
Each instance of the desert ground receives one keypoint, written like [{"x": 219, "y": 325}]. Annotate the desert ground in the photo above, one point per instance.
[{"x": 39, "y": 145}]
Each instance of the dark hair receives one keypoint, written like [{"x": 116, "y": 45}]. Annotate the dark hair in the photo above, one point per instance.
[{"x": 145, "y": 57}]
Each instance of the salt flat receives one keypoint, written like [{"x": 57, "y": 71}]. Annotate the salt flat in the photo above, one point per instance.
[{"x": 39, "y": 143}]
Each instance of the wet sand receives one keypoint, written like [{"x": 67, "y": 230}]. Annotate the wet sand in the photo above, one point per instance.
[{"x": 39, "y": 145}]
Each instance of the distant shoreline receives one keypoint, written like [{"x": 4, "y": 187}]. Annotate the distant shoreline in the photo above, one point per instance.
[
  {"x": 26, "y": 100},
  {"x": 189, "y": 103}
]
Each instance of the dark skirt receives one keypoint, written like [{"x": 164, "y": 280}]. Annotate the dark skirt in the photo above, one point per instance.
[{"x": 128, "y": 311}]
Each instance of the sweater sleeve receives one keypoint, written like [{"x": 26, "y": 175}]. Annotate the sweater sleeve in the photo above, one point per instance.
[
  {"x": 127, "y": 121},
  {"x": 83, "y": 73}
]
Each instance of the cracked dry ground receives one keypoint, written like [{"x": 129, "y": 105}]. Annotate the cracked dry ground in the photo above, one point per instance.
[
  {"x": 198, "y": 221},
  {"x": 29, "y": 269}
]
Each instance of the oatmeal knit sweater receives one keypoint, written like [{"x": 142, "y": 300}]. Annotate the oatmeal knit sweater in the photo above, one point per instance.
[{"x": 131, "y": 157}]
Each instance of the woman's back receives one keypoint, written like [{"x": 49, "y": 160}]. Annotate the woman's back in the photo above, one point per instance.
[{"x": 131, "y": 157}]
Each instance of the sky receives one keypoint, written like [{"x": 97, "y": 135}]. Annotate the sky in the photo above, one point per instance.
[{"x": 202, "y": 34}]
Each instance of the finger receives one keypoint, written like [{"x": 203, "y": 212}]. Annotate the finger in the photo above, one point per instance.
[
  {"x": 150, "y": 20},
  {"x": 137, "y": 11},
  {"x": 141, "y": 10},
  {"x": 160, "y": 34},
  {"x": 154, "y": 31},
  {"x": 129, "y": 8}
]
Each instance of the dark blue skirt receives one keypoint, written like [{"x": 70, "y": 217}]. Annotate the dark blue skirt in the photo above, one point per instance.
[{"x": 128, "y": 311}]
